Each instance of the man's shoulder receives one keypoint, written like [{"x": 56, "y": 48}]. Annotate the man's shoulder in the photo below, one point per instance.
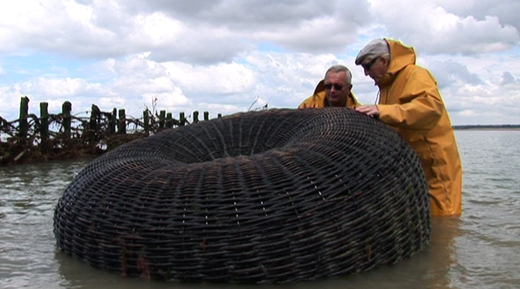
[
  {"x": 414, "y": 71},
  {"x": 315, "y": 100}
]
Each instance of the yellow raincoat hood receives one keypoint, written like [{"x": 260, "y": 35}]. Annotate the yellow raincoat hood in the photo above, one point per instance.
[{"x": 401, "y": 56}]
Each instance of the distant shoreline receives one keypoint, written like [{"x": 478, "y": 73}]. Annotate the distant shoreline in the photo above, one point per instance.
[{"x": 487, "y": 127}]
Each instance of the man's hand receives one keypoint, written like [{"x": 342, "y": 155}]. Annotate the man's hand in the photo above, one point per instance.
[{"x": 370, "y": 110}]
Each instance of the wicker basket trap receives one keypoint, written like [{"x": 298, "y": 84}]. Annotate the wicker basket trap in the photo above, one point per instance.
[{"x": 260, "y": 197}]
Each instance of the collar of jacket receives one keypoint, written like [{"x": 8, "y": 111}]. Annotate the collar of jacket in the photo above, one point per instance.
[{"x": 321, "y": 97}]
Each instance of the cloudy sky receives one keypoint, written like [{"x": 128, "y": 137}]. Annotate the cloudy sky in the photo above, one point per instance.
[{"x": 226, "y": 56}]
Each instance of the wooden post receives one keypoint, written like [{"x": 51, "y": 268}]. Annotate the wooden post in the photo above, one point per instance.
[
  {"x": 182, "y": 119},
  {"x": 94, "y": 118},
  {"x": 162, "y": 117},
  {"x": 122, "y": 121},
  {"x": 206, "y": 115},
  {"x": 24, "y": 111},
  {"x": 169, "y": 120},
  {"x": 113, "y": 120},
  {"x": 195, "y": 116},
  {"x": 146, "y": 120},
  {"x": 66, "y": 108},
  {"x": 44, "y": 122}
]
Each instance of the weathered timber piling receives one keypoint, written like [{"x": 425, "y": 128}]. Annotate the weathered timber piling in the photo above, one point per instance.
[
  {"x": 162, "y": 118},
  {"x": 60, "y": 136},
  {"x": 146, "y": 121},
  {"x": 122, "y": 121},
  {"x": 182, "y": 119},
  {"x": 112, "y": 121},
  {"x": 67, "y": 120},
  {"x": 23, "y": 124},
  {"x": 44, "y": 121}
]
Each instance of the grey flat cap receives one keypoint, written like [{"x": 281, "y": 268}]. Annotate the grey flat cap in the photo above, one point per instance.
[{"x": 374, "y": 48}]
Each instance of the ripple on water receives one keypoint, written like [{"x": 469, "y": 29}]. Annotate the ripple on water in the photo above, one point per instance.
[{"x": 481, "y": 249}]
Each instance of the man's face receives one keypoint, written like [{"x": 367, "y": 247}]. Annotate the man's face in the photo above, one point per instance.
[
  {"x": 375, "y": 68},
  {"x": 336, "y": 88}
]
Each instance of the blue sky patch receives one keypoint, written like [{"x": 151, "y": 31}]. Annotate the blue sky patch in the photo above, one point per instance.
[{"x": 22, "y": 68}]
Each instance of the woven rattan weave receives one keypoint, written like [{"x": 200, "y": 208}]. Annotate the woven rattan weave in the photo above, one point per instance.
[{"x": 260, "y": 197}]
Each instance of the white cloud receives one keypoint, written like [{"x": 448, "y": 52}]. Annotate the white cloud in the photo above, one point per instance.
[
  {"x": 506, "y": 10},
  {"x": 222, "y": 56},
  {"x": 508, "y": 78},
  {"x": 432, "y": 29},
  {"x": 448, "y": 72},
  {"x": 220, "y": 79}
]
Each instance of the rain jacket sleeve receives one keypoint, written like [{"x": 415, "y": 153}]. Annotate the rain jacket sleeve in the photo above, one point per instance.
[{"x": 419, "y": 104}]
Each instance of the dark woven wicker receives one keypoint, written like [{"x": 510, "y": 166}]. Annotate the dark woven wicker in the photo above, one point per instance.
[{"x": 258, "y": 197}]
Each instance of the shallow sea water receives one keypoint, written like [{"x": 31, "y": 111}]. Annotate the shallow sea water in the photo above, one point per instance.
[{"x": 481, "y": 249}]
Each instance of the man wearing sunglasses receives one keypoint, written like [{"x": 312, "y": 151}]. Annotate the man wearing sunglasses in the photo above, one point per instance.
[
  {"x": 333, "y": 90},
  {"x": 410, "y": 102}
]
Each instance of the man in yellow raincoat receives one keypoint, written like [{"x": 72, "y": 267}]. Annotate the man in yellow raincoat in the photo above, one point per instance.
[
  {"x": 334, "y": 90},
  {"x": 410, "y": 102}
]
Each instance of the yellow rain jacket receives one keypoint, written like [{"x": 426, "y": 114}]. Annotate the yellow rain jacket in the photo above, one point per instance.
[
  {"x": 319, "y": 99},
  {"x": 410, "y": 102}
]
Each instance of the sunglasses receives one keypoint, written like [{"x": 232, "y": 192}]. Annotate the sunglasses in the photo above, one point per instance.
[
  {"x": 367, "y": 66},
  {"x": 335, "y": 85}
]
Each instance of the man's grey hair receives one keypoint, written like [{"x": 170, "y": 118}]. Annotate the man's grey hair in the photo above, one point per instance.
[
  {"x": 339, "y": 68},
  {"x": 375, "y": 48}
]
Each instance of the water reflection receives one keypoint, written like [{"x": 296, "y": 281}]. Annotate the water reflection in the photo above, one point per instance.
[
  {"x": 442, "y": 250},
  {"x": 431, "y": 269}
]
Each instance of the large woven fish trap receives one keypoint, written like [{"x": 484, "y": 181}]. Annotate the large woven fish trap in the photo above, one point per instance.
[{"x": 259, "y": 197}]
